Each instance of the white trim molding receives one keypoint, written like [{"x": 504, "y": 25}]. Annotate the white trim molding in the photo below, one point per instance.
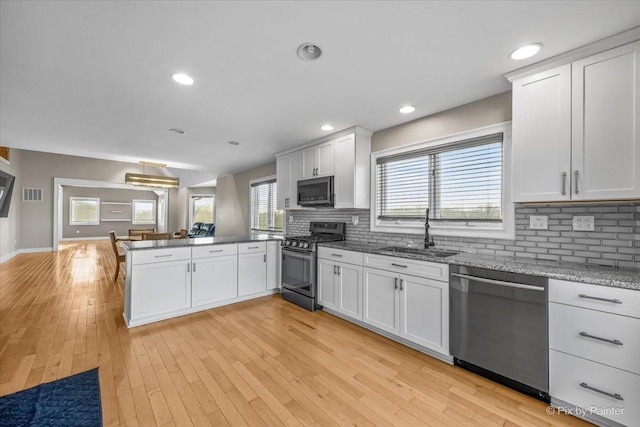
[{"x": 24, "y": 251}]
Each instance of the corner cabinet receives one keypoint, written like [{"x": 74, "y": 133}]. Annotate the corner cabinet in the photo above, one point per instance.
[
  {"x": 576, "y": 130},
  {"x": 345, "y": 155}
]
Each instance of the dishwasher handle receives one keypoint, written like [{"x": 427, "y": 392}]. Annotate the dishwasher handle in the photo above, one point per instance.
[{"x": 500, "y": 282}]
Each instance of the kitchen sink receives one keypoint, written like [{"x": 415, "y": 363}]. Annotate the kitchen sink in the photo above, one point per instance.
[{"x": 437, "y": 253}]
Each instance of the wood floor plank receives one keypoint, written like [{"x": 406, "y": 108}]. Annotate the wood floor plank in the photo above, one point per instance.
[{"x": 259, "y": 362}]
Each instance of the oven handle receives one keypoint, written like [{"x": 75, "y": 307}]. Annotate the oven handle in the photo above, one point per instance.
[
  {"x": 298, "y": 254},
  {"x": 499, "y": 282}
]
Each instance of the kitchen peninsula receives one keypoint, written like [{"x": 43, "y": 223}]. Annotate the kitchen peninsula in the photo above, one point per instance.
[{"x": 169, "y": 278}]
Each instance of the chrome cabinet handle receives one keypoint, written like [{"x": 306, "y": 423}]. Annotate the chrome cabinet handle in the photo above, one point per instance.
[
  {"x": 337, "y": 255},
  {"x": 401, "y": 283},
  {"x": 264, "y": 258},
  {"x": 577, "y": 174},
  {"x": 253, "y": 247},
  {"x": 339, "y": 270},
  {"x": 335, "y": 271},
  {"x": 564, "y": 183},
  {"x": 395, "y": 283},
  {"x": 194, "y": 267},
  {"x": 586, "y": 335},
  {"x": 399, "y": 265},
  {"x": 606, "y": 393},
  {"x": 614, "y": 300},
  {"x": 188, "y": 267},
  {"x": 499, "y": 282}
]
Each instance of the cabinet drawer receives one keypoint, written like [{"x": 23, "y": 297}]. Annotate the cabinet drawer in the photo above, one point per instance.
[
  {"x": 568, "y": 327},
  {"x": 425, "y": 269},
  {"x": 340, "y": 255},
  {"x": 603, "y": 298},
  {"x": 245, "y": 248},
  {"x": 567, "y": 373},
  {"x": 160, "y": 255},
  {"x": 214, "y": 250}
]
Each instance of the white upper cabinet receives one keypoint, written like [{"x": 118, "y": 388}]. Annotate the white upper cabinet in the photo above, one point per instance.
[
  {"x": 318, "y": 160},
  {"x": 344, "y": 155},
  {"x": 575, "y": 130},
  {"x": 606, "y": 125}
]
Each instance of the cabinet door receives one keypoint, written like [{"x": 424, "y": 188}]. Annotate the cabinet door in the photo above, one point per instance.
[
  {"x": 309, "y": 164},
  {"x": 327, "y": 292},
  {"x": 295, "y": 174},
  {"x": 214, "y": 279},
  {"x": 160, "y": 288},
  {"x": 345, "y": 160},
  {"x": 273, "y": 264},
  {"x": 325, "y": 158},
  {"x": 381, "y": 300},
  {"x": 283, "y": 171},
  {"x": 424, "y": 310},
  {"x": 541, "y": 143},
  {"x": 606, "y": 125},
  {"x": 349, "y": 285},
  {"x": 252, "y": 273}
]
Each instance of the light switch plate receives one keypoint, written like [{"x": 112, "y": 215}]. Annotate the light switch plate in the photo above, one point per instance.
[
  {"x": 355, "y": 219},
  {"x": 290, "y": 219},
  {"x": 539, "y": 222},
  {"x": 584, "y": 223}
]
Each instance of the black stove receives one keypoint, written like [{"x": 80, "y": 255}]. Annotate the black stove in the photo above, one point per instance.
[{"x": 299, "y": 280}]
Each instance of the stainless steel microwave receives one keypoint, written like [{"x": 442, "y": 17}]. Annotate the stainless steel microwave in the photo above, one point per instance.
[{"x": 316, "y": 192}]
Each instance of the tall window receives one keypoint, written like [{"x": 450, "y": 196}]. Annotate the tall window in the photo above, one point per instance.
[
  {"x": 144, "y": 212},
  {"x": 264, "y": 215},
  {"x": 202, "y": 208},
  {"x": 84, "y": 211},
  {"x": 461, "y": 182}
]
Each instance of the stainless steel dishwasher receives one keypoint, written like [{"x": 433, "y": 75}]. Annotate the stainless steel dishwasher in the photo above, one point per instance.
[{"x": 499, "y": 327}]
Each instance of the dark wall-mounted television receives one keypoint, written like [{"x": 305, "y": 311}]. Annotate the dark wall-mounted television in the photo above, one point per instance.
[{"x": 6, "y": 189}]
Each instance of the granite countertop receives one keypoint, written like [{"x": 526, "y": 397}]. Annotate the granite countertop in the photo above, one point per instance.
[
  {"x": 198, "y": 241},
  {"x": 594, "y": 274}
]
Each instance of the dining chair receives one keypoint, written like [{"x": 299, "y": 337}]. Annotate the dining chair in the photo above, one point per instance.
[
  {"x": 156, "y": 236},
  {"x": 120, "y": 257},
  {"x": 183, "y": 233}
]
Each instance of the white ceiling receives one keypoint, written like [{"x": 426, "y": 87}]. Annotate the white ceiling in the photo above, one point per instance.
[{"x": 93, "y": 78}]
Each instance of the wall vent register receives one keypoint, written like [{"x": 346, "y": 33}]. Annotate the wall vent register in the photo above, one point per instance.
[{"x": 31, "y": 194}]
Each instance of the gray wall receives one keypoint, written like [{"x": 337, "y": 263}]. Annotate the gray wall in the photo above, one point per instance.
[
  {"x": 105, "y": 195},
  {"x": 614, "y": 242},
  {"x": 10, "y": 226}
]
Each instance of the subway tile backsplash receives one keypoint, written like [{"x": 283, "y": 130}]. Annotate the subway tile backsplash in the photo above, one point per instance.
[{"x": 615, "y": 240}]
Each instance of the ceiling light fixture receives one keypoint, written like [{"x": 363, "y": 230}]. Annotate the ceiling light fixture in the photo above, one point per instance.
[
  {"x": 175, "y": 130},
  {"x": 182, "y": 78},
  {"x": 326, "y": 127},
  {"x": 406, "y": 109},
  {"x": 233, "y": 142},
  {"x": 145, "y": 180},
  {"x": 309, "y": 51},
  {"x": 525, "y": 52}
]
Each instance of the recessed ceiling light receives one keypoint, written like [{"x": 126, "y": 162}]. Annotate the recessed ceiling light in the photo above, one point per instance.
[
  {"x": 309, "y": 51},
  {"x": 183, "y": 79},
  {"x": 406, "y": 109},
  {"x": 175, "y": 130},
  {"x": 233, "y": 142},
  {"x": 525, "y": 52},
  {"x": 326, "y": 127}
]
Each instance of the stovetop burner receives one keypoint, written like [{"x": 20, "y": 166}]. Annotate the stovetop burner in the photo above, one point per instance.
[{"x": 320, "y": 232}]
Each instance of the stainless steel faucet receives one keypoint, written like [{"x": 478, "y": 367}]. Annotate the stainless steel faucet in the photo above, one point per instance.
[{"x": 427, "y": 241}]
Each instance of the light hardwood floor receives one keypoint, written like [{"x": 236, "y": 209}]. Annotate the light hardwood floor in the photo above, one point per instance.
[{"x": 260, "y": 362}]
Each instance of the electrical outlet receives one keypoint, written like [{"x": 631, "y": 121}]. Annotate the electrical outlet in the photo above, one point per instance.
[
  {"x": 539, "y": 222},
  {"x": 290, "y": 219},
  {"x": 77, "y": 231},
  {"x": 355, "y": 219},
  {"x": 584, "y": 223}
]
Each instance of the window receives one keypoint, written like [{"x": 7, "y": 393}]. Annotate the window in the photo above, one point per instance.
[
  {"x": 84, "y": 211},
  {"x": 144, "y": 212},
  {"x": 461, "y": 180},
  {"x": 202, "y": 208},
  {"x": 264, "y": 215}
]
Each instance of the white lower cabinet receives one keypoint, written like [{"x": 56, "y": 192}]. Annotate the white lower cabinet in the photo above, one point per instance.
[
  {"x": 340, "y": 287},
  {"x": 160, "y": 287},
  {"x": 382, "y": 300},
  {"x": 252, "y": 272},
  {"x": 214, "y": 279}
]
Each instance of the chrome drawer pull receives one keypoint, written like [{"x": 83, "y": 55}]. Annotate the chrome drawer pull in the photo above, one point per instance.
[
  {"x": 219, "y": 250},
  {"x": 616, "y": 342},
  {"x": 338, "y": 255},
  {"x": 615, "y": 301},
  {"x": 253, "y": 247},
  {"x": 614, "y": 395},
  {"x": 399, "y": 265},
  {"x": 163, "y": 256}
]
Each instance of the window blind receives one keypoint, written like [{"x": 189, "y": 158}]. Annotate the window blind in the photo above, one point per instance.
[
  {"x": 458, "y": 182},
  {"x": 264, "y": 215}
]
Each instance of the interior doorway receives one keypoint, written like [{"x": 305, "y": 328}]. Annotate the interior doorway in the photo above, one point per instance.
[{"x": 202, "y": 208}]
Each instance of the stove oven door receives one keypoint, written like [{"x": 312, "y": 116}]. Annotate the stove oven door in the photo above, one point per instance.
[{"x": 299, "y": 271}]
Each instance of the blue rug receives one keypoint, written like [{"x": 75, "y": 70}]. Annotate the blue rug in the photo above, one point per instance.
[{"x": 71, "y": 401}]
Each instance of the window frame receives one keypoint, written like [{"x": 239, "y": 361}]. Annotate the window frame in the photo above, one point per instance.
[
  {"x": 258, "y": 181},
  {"x": 133, "y": 212},
  {"x": 477, "y": 229},
  {"x": 192, "y": 210},
  {"x": 92, "y": 199}
]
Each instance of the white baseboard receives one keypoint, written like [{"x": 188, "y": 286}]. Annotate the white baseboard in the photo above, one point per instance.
[
  {"x": 70, "y": 239},
  {"x": 24, "y": 251}
]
